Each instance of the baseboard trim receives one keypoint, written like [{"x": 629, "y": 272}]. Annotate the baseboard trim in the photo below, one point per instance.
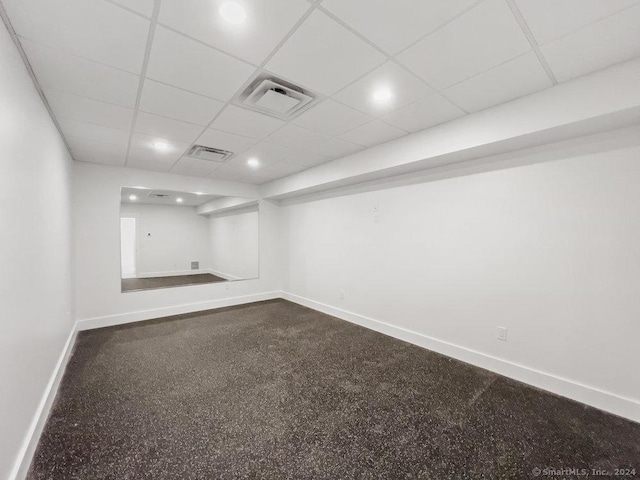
[
  {"x": 603, "y": 400},
  {"x": 226, "y": 276},
  {"x": 140, "y": 315},
  {"x": 25, "y": 455}
]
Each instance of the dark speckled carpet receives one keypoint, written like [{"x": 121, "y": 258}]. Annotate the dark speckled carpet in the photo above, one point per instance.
[{"x": 275, "y": 390}]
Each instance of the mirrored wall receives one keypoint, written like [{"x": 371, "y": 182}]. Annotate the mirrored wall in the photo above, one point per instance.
[{"x": 175, "y": 239}]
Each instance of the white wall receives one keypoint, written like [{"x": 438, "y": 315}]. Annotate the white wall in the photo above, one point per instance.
[
  {"x": 97, "y": 236},
  {"x": 234, "y": 245},
  {"x": 550, "y": 251},
  {"x": 168, "y": 238},
  {"x": 36, "y": 303}
]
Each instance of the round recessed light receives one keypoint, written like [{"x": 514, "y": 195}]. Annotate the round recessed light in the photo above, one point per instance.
[
  {"x": 233, "y": 13},
  {"x": 161, "y": 146},
  {"x": 382, "y": 95},
  {"x": 253, "y": 162},
  {"x": 132, "y": 197},
  {"x": 179, "y": 200}
]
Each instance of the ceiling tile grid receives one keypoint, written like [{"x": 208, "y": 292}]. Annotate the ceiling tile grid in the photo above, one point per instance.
[{"x": 138, "y": 82}]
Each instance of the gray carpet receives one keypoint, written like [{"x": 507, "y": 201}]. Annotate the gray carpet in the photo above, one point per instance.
[
  {"x": 275, "y": 390},
  {"x": 135, "y": 284}
]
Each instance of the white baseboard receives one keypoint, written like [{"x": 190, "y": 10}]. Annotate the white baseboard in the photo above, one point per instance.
[
  {"x": 28, "y": 448},
  {"x": 129, "y": 317},
  {"x": 595, "y": 397},
  {"x": 173, "y": 273},
  {"x": 226, "y": 276}
]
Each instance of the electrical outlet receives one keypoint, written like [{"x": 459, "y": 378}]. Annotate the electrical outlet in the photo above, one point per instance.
[
  {"x": 341, "y": 294},
  {"x": 502, "y": 333}
]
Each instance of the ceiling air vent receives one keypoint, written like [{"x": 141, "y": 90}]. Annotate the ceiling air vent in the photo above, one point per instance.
[
  {"x": 276, "y": 98},
  {"x": 209, "y": 153}
]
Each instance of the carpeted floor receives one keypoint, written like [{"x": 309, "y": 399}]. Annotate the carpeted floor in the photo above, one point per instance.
[
  {"x": 134, "y": 284},
  {"x": 275, "y": 390}
]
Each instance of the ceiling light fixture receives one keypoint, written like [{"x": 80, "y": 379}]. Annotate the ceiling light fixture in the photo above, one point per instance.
[
  {"x": 198, "y": 193},
  {"x": 233, "y": 13},
  {"x": 161, "y": 146},
  {"x": 382, "y": 95},
  {"x": 179, "y": 200},
  {"x": 132, "y": 197},
  {"x": 253, "y": 162}
]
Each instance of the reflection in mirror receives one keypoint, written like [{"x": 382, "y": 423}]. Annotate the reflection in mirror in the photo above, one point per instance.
[{"x": 172, "y": 239}]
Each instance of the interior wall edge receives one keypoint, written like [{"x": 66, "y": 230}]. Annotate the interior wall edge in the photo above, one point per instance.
[
  {"x": 141, "y": 315},
  {"x": 612, "y": 140},
  {"x": 610, "y": 402},
  {"x": 41, "y": 415}
]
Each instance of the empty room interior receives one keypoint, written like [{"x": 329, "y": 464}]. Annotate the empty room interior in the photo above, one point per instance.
[{"x": 319, "y": 239}]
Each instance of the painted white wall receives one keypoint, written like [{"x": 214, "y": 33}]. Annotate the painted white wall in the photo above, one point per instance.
[
  {"x": 549, "y": 251},
  {"x": 128, "y": 246},
  {"x": 36, "y": 301},
  {"x": 168, "y": 238},
  {"x": 97, "y": 236},
  {"x": 234, "y": 245}
]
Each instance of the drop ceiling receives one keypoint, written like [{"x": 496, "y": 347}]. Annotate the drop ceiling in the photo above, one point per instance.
[{"x": 122, "y": 75}]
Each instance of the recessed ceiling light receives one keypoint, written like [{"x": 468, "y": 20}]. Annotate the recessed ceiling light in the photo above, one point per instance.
[
  {"x": 198, "y": 193},
  {"x": 382, "y": 95},
  {"x": 233, "y": 13},
  {"x": 179, "y": 200},
  {"x": 161, "y": 146},
  {"x": 253, "y": 162},
  {"x": 132, "y": 197}
]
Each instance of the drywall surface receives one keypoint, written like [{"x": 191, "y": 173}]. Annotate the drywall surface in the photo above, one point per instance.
[
  {"x": 36, "y": 302},
  {"x": 549, "y": 251},
  {"x": 97, "y": 235},
  {"x": 234, "y": 245},
  {"x": 168, "y": 238}
]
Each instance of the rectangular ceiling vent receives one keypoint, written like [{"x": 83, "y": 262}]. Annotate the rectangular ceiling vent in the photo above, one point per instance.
[
  {"x": 277, "y": 98},
  {"x": 209, "y": 153},
  {"x": 159, "y": 195}
]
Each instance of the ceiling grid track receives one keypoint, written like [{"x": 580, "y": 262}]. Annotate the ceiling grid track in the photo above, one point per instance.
[
  {"x": 532, "y": 40},
  {"x": 259, "y": 69},
  {"x": 36, "y": 84},
  {"x": 143, "y": 73}
]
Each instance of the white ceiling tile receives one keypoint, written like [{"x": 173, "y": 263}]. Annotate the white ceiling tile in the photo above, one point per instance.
[
  {"x": 404, "y": 87},
  {"x": 187, "y": 64},
  {"x": 194, "y": 167},
  {"x": 85, "y": 150},
  {"x": 231, "y": 173},
  {"x": 92, "y": 29},
  {"x": 308, "y": 159},
  {"x": 331, "y": 118},
  {"x": 57, "y": 70},
  {"x": 393, "y": 25},
  {"x": 609, "y": 41},
  {"x": 143, "y": 7},
  {"x": 552, "y": 19},
  {"x": 225, "y": 141},
  {"x": 373, "y": 133},
  {"x": 91, "y": 131},
  {"x": 423, "y": 114},
  {"x": 149, "y": 160},
  {"x": 266, "y": 153},
  {"x": 266, "y": 25},
  {"x": 157, "y": 126},
  {"x": 173, "y": 149},
  {"x": 244, "y": 122},
  {"x": 324, "y": 56},
  {"x": 516, "y": 78},
  {"x": 66, "y": 105},
  {"x": 337, "y": 148},
  {"x": 179, "y": 104},
  {"x": 482, "y": 38},
  {"x": 295, "y": 137},
  {"x": 284, "y": 168}
]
